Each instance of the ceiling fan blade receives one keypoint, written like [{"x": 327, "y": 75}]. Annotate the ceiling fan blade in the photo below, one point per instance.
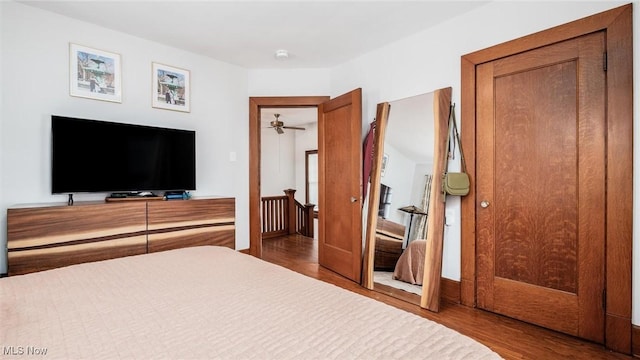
[{"x": 293, "y": 127}]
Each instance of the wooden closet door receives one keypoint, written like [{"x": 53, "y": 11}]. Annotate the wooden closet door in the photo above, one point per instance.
[{"x": 540, "y": 186}]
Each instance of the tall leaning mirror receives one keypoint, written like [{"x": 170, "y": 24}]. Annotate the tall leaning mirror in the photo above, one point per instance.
[{"x": 405, "y": 218}]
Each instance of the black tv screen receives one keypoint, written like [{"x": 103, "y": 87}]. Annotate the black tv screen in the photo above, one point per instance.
[{"x": 101, "y": 156}]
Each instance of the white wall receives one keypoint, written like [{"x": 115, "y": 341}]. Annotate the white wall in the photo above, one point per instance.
[
  {"x": 399, "y": 177},
  {"x": 277, "y": 162},
  {"x": 34, "y": 74},
  {"x": 283, "y": 158},
  {"x": 299, "y": 82},
  {"x": 431, "y": 59}
]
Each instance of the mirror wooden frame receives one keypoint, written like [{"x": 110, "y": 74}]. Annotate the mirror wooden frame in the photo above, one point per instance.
[{"x": 430, "y": 298}]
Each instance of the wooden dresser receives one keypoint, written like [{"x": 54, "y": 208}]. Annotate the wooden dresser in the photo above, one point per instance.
[
  {"x": 42, "y": 237},
  {"x": 389, "y": 238}
]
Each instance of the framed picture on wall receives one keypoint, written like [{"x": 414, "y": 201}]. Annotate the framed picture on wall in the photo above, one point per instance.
[
  {"x": 385, "y": 162},
  {"x": 170, "y": 88},
  {"x": 94, "y": 74}
]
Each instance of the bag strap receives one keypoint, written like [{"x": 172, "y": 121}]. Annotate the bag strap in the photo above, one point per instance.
[
  {"x": 446, "y": 148},
  {"x": 454, "y": 126},
  {"x": 455, "y": 130}
]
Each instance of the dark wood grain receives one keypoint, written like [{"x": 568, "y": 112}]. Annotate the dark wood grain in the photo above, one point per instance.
[
  {"x": 33, "y": 226},
  {"x": 46, "y": 237},
  {"x": 536, "y": 154},
  {"x": 274, "y": 215},
  {"x": 546, "y": 131},
  {"x": 635, "y": 331},
  {"x": 435, "y": 236},
  {"x": 340, "y": 184},
  {"x": 387, "y": 252},
  {"x": 450, "y": 290},
  {"x": 50, "y": 236},
  {"x": 178, "y": 213},
  {"x": 211, "y": 235},
  {"x": 28, "y": 261},
  {"x": 617, "y": 23},
  {"x": 388, "y": 244},
  {"x": 620, "y": 178}
]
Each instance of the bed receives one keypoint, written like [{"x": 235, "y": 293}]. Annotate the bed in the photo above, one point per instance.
[
  {"x": 410, "y": 265},
  {"x": 208, "y": 302}
]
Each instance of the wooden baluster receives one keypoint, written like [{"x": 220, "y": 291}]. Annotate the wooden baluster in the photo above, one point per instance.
[
  {"x": 290, "y": 211},
  {"x": 309, "y": 218}
]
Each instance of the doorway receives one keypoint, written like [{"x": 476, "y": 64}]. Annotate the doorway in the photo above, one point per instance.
[
  {"x": 616, "y": 157},
  {"x": 256, "y": 104},
  {"x": 339, "y": 163}
]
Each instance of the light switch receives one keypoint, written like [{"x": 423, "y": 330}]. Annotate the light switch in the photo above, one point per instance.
[
  {"x": 232, "y": 156},
  {"x": 448, "y": 218}
]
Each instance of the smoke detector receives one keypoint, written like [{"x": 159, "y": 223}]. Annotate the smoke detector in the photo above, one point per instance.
[{"x": 282, "y": 54}]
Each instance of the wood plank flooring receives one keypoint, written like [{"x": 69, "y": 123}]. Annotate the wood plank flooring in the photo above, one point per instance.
[{"x": 510, "y": 338}]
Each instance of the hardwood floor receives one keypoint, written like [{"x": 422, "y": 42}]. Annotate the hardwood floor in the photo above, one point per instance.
[{"x": 510, "y": 338}]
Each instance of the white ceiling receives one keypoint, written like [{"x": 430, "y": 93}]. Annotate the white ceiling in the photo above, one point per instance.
[{"x": 317, "y": 33}]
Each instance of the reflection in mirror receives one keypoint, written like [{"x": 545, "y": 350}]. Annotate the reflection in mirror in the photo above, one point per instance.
[{"x": 401, "y": 203}]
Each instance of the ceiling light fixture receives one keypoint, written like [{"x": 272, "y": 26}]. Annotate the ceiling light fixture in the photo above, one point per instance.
[{"x": 282, "y": 54}]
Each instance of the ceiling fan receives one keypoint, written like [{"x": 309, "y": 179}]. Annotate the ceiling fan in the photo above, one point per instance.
[{"x": 279, "y": 125}]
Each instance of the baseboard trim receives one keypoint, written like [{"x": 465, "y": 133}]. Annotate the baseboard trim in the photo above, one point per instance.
[
  {"x": 450, "y": 290},
  {"x": 619, "y": 334},
  {"x": 635, "y": 341}
]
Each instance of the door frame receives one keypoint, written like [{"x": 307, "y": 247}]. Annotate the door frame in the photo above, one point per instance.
[
  {"x": 255, "y": 105},
  {"x": 618, "y": 25}
]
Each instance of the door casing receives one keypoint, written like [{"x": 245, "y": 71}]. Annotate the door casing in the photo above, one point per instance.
[
  {"x": 255, "y": 104},
  {"x": 618, "y": 25}
]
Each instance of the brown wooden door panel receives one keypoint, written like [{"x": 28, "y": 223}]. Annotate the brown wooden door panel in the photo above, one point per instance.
[
  {"x": 516, "y": 301},
  {"x": 339, "y": 184},
  {"x": 541, "y": 166}
]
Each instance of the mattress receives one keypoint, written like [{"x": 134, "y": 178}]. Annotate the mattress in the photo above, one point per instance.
[{"x": 208, "y": 302}]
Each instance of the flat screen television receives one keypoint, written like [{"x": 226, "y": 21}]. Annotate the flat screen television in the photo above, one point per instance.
[{"x": 102, "y": 156}]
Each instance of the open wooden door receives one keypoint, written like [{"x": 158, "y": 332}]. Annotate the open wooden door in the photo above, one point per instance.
[{"x": 340, "y": 184}]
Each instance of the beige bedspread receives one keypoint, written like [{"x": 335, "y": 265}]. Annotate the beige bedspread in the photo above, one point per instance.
[
  {"x": 208, "y": 302},
  {"x": 410, "y": 265}
]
